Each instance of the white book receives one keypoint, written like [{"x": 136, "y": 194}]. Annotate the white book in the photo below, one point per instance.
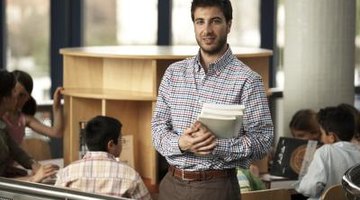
[{"x": 224, "y": 121}]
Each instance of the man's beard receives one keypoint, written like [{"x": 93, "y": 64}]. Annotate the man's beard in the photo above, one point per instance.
[{"x": 213, "y": 50}]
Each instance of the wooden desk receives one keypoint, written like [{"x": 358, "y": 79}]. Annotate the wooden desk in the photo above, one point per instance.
[{"x": 122, "y": 82}]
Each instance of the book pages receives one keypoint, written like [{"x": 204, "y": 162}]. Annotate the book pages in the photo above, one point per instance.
[{"x": 224, "y": 121}]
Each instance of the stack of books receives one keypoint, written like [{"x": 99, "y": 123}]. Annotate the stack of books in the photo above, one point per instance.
[{"x": 224, "y": 121}]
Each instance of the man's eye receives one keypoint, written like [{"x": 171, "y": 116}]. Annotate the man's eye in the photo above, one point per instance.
[
  {"x": 217, "y": 21},
  {"x": 199, "y": 22}
]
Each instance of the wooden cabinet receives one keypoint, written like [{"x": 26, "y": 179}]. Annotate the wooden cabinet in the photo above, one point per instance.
[{"x": 122, "y": 82}]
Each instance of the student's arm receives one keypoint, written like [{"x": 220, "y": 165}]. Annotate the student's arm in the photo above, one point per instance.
[
  {"x": 314, "y": 181},
  {"x": 140, "y": 191},
  {"x": 57, "y": 129},
  {"x": 43, "y": 172}
]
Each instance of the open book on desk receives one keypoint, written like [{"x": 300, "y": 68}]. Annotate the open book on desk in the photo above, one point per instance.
[{"x": 224, "y": 121}]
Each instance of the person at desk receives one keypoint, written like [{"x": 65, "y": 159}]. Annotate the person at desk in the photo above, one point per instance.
[
  {"x": 338, "y": 154},
  {"x": 99, "y": 171},
  {"x": 201, "y": 165},
  {"x": 9, "y": 149},
  {"x": 23, "y": 116},
  {"x": 304, "y": 125}
]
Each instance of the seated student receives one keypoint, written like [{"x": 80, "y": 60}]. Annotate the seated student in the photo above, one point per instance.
[
  {"x": 9, "y": 149},
  {"x": 304, "y": 125},
  {"x": 23, "y": 115},
  {"x": 98, "y": 171},
  {"x": 338, "y": 154}
]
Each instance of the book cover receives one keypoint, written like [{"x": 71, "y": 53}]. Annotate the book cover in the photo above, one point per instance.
[
  {"x": 290, "y": 155},
  {"x": 127, "y": 153},
  {"x": 221, "y": 127}
]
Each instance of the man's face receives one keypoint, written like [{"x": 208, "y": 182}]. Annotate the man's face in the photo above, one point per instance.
[
  {"x": 23, "y": 95},
  {"x": 211, "y": 29}
]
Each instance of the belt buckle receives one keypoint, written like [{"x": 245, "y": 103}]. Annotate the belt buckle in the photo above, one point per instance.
[{"x": 183, "y": 176}]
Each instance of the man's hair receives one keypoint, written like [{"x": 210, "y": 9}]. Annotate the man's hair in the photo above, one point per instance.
[
  {"x": 224, "y": 5},
  {"x": 24, "y": 79},
  {"x": 100, "y": 130},
  {"x": 7, "y": 84},
  {"x": 305, "y": 120},
  {"x": 339, "y": 120}
]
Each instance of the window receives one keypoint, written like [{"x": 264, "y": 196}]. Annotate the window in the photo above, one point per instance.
[
  {"x": 281, "y": 39},
  {"x": 122, "y": 22},
  {"x": 357, "y": 45},
  {"x": 28, "y": 42}
]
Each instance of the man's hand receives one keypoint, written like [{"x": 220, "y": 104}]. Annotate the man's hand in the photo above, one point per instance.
[{"x": 197, "y": 139}]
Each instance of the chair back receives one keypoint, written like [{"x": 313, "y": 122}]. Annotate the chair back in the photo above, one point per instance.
[
  {"x": 335, "y": 192},
  {"x": 351, "y": 182},
  {"x": 278, "y": 194}
]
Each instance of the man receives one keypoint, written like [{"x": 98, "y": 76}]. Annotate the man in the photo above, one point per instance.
[
  {"x": 201, "y": 165},
  {"x": 98, "y": 171}
]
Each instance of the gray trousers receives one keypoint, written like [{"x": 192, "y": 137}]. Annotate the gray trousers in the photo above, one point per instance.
[{"x": 172, "y": 188}]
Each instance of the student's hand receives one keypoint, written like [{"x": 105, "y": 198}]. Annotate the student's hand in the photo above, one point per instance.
[
  {"x": 254, "y": 170},
  {"x": 57, "y": 98},
  {"x": 197, "y": 139},
  {"x": 35, "y": 166},
  {"x": 43, "y": 172}
]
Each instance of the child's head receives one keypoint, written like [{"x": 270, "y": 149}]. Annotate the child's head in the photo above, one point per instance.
[
  {"x": 356, "y": 114},
  {"x": 24, "y": 87},
  {"x": 8, "y": 92},
  {"x": 336, "y": 124},
  {"x": 103, "y": 133},
  {"x": 304, "y": 125}
]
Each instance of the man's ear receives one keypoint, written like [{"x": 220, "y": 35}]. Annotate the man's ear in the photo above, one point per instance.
[{"x": 229, "y": 26}]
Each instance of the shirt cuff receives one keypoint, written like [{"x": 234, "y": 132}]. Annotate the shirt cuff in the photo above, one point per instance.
[{"x": 221, "y": 149}]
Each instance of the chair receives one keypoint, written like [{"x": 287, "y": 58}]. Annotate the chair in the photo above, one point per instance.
[
  {"x": 275, "y": 194},
  {"x": 351, "y": 183},
  {"x": 335, "y": 192}
]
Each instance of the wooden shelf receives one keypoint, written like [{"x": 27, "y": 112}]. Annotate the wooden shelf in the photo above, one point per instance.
[
  {"x": 109, "y": 94},
  {"x": 155, "y": 52}
]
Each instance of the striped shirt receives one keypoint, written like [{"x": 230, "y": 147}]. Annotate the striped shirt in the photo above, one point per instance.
[
  {"x": 99, "y": 172},
  {"x": 185, "y": 87}
]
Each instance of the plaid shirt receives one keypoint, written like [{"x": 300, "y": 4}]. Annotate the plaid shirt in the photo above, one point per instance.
[
  {"x": 99, "y": 172},
  {"x": 183, "y": 89}
]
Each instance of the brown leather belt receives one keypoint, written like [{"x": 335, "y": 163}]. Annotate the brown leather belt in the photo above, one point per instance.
[{"x": 200, "y": 175}]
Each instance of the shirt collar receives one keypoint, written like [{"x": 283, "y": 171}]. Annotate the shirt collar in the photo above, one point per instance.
[
  {"x": 219, "y": 64},
  {"x": 98, "y": 155}
]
